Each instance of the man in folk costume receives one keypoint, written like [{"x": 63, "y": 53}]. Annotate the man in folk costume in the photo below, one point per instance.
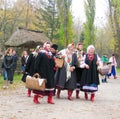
[
  {"x": 54, "y": 51},
  {"x": 90, "y": 78},
  {"x": 45, "y": 67},
  {"x": 65, "y": 77},
  {"x": 80, "y": 55}
]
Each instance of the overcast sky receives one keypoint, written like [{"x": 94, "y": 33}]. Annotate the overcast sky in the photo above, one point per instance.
[
  {"x": 101, "y": 11},
  {"x": 79, "y": 14}
]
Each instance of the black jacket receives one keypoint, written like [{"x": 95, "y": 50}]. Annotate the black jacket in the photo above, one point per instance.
[{"x": 8, "y": 62}]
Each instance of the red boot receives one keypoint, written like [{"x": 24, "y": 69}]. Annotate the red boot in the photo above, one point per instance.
[
  {"x": 35, "y": 100},
  {"x": 77, "y": 94},
  {"x": 70, "y": 95},
  {"x": 50, "y": 101},
  {"x": 86, "y": 95},
  {"x": 58, "y": 93},
  {"x": 92, "y": 97},
  {"x": 115, "y": 77},
  {"x": 29, "y": 93}
]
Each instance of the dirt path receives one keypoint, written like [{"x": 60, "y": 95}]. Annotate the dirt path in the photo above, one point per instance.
[{"x": 14, "y": 104}]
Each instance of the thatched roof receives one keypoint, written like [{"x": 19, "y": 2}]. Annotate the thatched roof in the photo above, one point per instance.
[{"x": 26, "y": 38}]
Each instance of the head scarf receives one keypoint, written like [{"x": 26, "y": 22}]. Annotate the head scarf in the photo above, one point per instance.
[{"x": 35, "y": 53}]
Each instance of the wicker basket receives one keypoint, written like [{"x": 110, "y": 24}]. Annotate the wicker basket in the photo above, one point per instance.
[
  {"x": 104, "y": 70},
  {"x": 59, "y": 62},
  {"x": 33, "y": 83}
]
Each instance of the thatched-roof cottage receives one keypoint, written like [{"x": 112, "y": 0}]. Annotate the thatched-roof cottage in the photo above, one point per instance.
[{"x": 25, "y": 38}]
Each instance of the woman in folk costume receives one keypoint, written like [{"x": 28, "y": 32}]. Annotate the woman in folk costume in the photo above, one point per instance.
[
  {"x": 29, "y": 69},
  {"x": 60, "y": 74},
  {"x": 66, "y": 76},
  {"x": 80, "y": 55},
  {"x": 44, "y": 65},
  {"x": 90, "y": 77},
  {"x": 112, "y": 59}
]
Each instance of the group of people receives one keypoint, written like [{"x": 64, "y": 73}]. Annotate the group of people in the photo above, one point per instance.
[
  {"x": 9, "y": 65},
  {"x": 78, "y": 72},
  {"x": 82, "y": 70},
  {"x": 42, "y": 61}
]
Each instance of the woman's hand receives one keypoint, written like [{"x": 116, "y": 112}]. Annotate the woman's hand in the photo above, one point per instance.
[
  {"x": 87, "y": 66},
  {"x": 71, "y": 68},
  {"x": 97, "y": 63}
]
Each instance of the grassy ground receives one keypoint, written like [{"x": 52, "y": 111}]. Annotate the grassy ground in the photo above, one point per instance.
[
  {"x": 17, "y": 81},
  {"x": 118, "y": 70}
]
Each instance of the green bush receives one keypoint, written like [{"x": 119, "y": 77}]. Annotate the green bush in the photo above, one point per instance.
[{"x": 118, "y": 70}]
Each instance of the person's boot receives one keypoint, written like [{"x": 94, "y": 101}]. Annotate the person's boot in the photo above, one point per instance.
[
  {"x": 50, "y": 101},
  {"x": 35, "y": 99},
  {"x": 108, "y": 75},
  {"x": 115, "y": 77},
  {"x": 86, "y": 95},
  {"x": 70, "y": 95},
  {"x": 105, "y": 80},
  {"x": 29, "y": 93},
  {"x": 58, "y": 93},
  {"x": 92, "y": 97},
  {"x": 77, "y": 94},
  {"x": 54, "y": 92},
  {"x": 5, "y": 84},
  {"x": 11, "y": 82}
]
